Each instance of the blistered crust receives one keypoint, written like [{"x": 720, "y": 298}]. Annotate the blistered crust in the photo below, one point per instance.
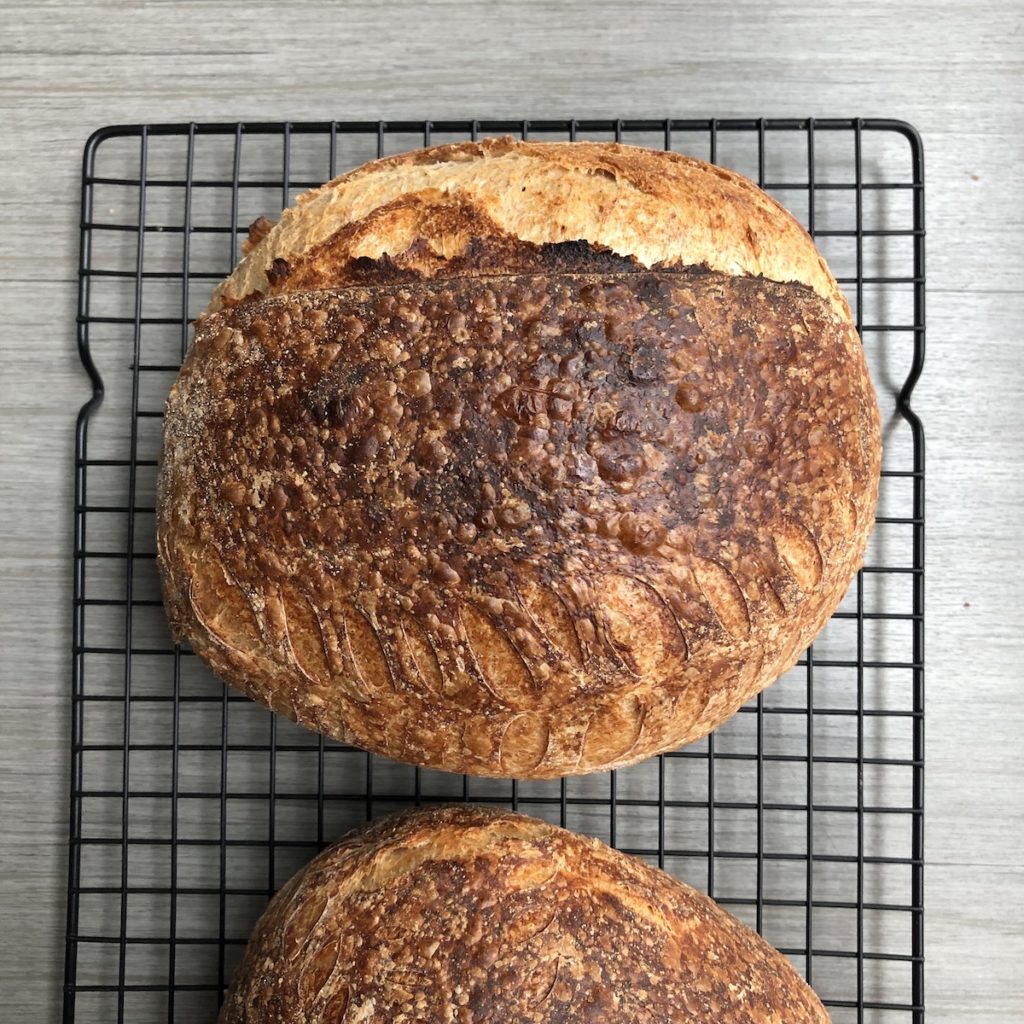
[
  {"x": 484, "y": 917},
  {"x": 426, "y": 208},
  {"x": 527, "y": 525}
]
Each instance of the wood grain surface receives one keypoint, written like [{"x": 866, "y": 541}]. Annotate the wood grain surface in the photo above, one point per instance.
[{"x": 953, "y": 69}]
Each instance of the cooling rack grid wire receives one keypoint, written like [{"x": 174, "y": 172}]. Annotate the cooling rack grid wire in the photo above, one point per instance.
[{"x": 189, "y": 804}]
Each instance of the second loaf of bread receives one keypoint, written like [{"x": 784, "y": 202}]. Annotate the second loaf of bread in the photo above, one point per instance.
[
  {"x": 473, "y": 916},
  {"x": 518, "y": 459}
]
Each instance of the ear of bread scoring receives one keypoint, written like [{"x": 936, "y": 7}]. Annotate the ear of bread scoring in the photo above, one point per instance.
[{"x": 659, "y": 208}]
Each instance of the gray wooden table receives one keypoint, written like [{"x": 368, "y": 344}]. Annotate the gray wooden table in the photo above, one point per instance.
[{"x": 952, "y": 69}]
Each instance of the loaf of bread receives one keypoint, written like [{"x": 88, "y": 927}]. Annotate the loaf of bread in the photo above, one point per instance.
[
  {"x": 483, "y": 917},
  {"x": 518, "y": 459}
]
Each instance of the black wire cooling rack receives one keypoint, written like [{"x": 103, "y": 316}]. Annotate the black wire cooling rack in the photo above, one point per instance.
[{"x": 190, "y": 804}]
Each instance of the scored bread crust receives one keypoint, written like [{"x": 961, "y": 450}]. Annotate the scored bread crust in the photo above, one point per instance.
[
  {"x": 516, "y": 508},
  {"x": 463, "y": 914},
  {"x": 426, "y": 207}
]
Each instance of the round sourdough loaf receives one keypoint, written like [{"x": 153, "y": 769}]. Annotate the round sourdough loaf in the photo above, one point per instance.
[
  {"x": 485, "y": 917},
  {"x": 517, "y": 458}
]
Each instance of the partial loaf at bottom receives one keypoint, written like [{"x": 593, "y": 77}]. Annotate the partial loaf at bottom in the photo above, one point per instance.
[{"x": 475, "y": 916}]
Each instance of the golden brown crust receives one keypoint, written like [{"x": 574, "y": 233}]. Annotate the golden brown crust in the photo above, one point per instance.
[
  {"x": 531, "y": 525},
  {"x": 426, "y": 207},
  {"x": 470, "y": 916}
]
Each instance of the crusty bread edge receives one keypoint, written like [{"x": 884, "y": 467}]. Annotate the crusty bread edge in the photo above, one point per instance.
[{"x": 656, "y": 206}]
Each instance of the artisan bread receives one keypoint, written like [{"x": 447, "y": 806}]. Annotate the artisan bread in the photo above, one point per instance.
[
  {"x": 465, "y": 915},
  {"x": 516, "y": 458}
]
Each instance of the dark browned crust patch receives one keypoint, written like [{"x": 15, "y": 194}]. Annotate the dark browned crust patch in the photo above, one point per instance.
[
  {"x": 488, "y": 252},
  {"x": 528, "y": 524}
]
